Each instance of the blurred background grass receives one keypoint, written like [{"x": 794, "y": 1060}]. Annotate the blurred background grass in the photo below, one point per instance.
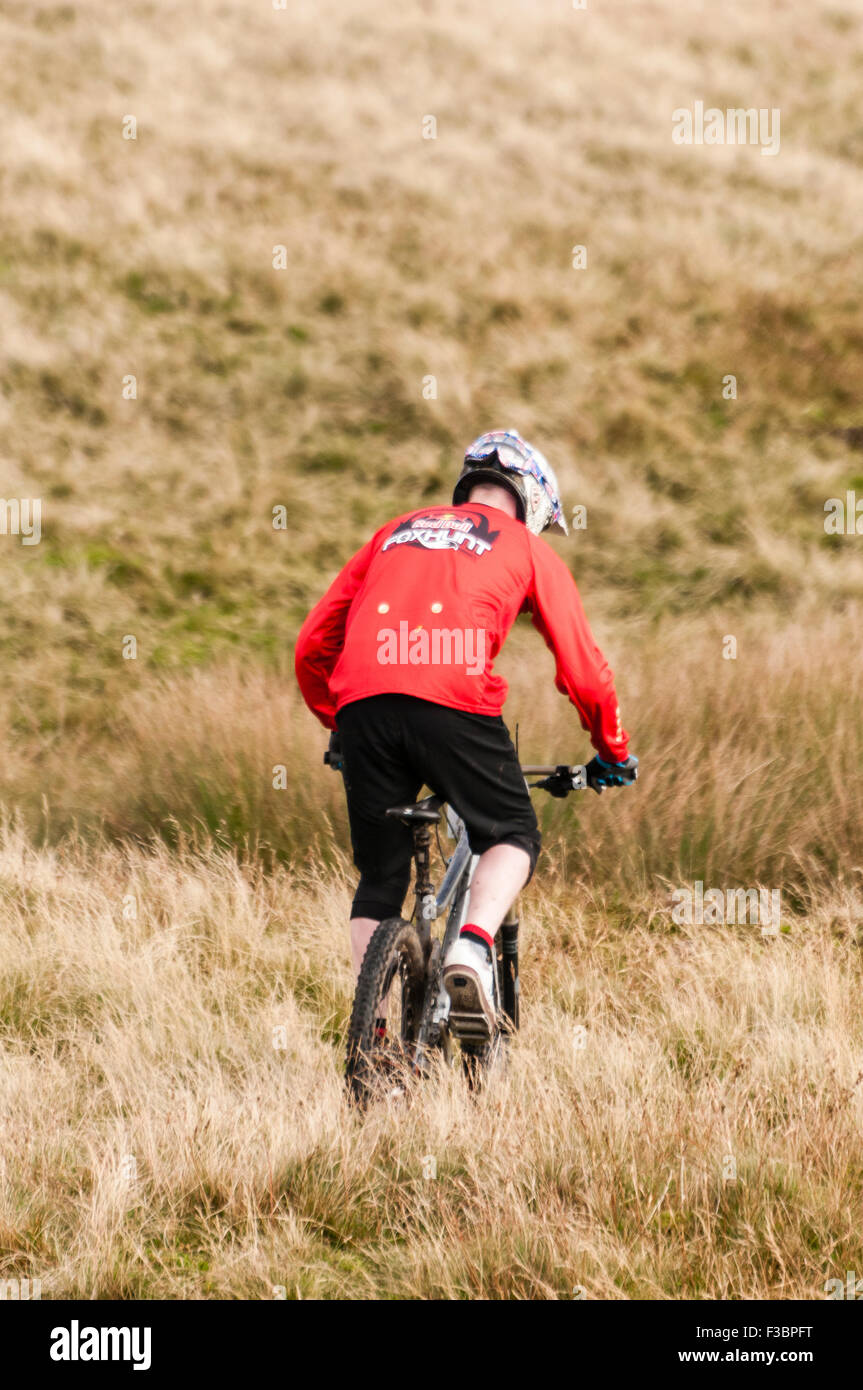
[
  {"x": 304, "y": 388},
  {"x": 164, "y": 907}
]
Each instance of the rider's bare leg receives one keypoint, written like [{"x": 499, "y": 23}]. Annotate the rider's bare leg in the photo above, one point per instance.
[
  {"x": 362, "y": 931},
  {"x": 468, "y": 973},
  {"x": 498, "y": 879}
]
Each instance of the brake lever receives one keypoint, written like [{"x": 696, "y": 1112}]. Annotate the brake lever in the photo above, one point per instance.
[{"x": 564, "y": 780}]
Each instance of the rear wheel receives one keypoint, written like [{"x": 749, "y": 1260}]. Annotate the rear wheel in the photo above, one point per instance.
[{"x": 392, "y": 979}]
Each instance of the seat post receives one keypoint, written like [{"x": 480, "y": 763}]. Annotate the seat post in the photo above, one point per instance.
[
  {"x": 420, "y": 816},
  {"x": 422, "y": 859},
  {"x": 424, "y": 887}
]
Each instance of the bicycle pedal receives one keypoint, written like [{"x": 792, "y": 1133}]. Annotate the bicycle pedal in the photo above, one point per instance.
[{"x": 473, "y": 1027}]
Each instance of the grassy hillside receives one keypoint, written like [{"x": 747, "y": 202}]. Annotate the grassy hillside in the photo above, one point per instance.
[
  {"x": 164, "y": 1146},
  {"x": 307, "y": 387},
  {"x": 408, "y": 257}
]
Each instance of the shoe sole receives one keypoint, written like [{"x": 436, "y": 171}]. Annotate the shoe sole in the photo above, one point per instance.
[{"x": 468, "y": 1016}]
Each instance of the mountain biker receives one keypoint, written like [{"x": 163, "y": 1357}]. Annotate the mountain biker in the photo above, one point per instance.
[{"x": 397, "y": 657}]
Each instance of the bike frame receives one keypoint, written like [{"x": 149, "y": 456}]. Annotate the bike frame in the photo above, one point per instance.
[{"x": 453, "y": 899}]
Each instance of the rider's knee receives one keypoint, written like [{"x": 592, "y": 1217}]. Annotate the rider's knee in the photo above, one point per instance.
[
  {"x": 528, "y": 840},
  {"x": 531, "y": 843}
]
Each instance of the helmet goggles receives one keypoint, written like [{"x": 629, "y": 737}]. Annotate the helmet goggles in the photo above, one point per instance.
[{"x": 515, "y": 455}]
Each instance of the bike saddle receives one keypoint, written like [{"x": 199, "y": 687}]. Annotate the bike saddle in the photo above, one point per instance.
[{"x": 426, "y": 811}]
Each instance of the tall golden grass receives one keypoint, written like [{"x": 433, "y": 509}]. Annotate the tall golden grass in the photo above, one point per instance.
[
  {"x": 173, "y": 1014},
  {"x": 162, "y": 1136},
  {"x": 750, "y": 765},
  {"x": 163, "y": 908}
]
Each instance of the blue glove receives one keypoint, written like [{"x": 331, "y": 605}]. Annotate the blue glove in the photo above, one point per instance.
[
  {"x": 334, "y": 757},
  {"x": 602, "y": 774}
]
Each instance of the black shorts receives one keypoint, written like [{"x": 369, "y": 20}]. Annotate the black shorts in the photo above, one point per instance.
[{"x": 393, "y": 745}]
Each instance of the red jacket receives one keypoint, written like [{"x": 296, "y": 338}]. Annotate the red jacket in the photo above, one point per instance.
[{"x": 424, "y": 608}]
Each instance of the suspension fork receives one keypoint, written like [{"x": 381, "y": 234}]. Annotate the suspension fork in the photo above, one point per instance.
[{"x": 506, "y": 944}]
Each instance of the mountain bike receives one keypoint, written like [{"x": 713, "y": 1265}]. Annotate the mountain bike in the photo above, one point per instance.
[{"x": 400, "y": 978}]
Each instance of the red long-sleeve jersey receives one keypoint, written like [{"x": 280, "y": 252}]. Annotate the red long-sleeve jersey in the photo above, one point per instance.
[{"x": 426, "y": 605}]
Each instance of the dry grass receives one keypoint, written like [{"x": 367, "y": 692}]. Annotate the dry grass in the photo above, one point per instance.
[
  {"x": 409, "y": 257},
  {"x": 141, "y": 984},
  {"x": 152, "y": 780},
  {"x": 749, "y": 765},
  {"x": 598, "y": 1166}
]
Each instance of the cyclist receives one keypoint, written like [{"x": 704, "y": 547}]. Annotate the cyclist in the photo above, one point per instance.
[{"x": 397, "y": 660}]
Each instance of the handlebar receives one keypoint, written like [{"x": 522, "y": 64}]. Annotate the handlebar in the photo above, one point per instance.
[
  {"x": 559, "y": 780},
  {"x": 538, "y": 770}
]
